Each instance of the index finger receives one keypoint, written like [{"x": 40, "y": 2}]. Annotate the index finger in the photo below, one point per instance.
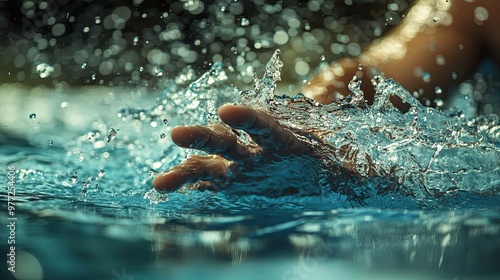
[{"x": 264, "y": 129}]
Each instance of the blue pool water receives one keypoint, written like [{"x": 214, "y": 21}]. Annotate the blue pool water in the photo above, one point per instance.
[{"x": 82, "y": 166}]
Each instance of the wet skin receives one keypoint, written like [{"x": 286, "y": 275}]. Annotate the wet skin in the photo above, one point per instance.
[{"x": 271, "y": 141}]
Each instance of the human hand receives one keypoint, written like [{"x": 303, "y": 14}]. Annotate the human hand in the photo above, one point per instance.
[{"x": 231, "y": 160}]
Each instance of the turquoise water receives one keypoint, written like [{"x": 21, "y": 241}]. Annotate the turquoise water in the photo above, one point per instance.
[{"x": 83, "y": 166}]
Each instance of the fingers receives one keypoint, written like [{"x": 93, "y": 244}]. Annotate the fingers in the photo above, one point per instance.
[
  {"x": 194, "y": 169},
  {"x": 214, "y": 140},
  {"x": 264, "y": 129}
]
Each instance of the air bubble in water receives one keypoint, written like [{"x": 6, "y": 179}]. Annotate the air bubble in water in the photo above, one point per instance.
[
  {"x": 165, "y": 121},
  {"x": 162, "y": 136},
  {"x": 101, "y": 173},
  {"x": 438, "y": 90},
  {"x": 234, "y": 50},
  {"x": 322, "y": 58},
  {"x": 84, "y": 65},
  {"x": 33, "y": 116},
  {"x": 44, "y": 70},
  {"x": 245, "y": 22},
  {"x": 51, "y": 142},
  {"x": 360, "y": 67}
]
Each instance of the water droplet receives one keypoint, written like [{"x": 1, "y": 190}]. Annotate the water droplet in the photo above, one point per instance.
[
  {"x": 234, "y": 50},
  {"x": 136, "y": 40},
  {"x": 440, "y": 60},
  {"x": 44, "y": 70},
  {"x": 438, "y": 90},
  {"x": 322, "y": 58},
  {"x": 377, "y": 80},
  {"x": 101, "y": 173},
  {"x": 245, "y": 22},
  {"x": 438, "y": 102},
  {"x": 165, "y": 121},
  {"x": 111, "y": 134},
  {"x": 223, "y": 8},
  {"x": 84, "y": 65},
  {"x": 93, "y": 77},
  {"x": 307, "y": 26},
  {"x": 157, "y": 71},
  {"x": 360, "y": 67},
  {"x": 51, "y": 142},
  {"x": 162, "y": 136},
  {"x": 426, "y": 77},
  {"x": 73, "y": 178},
  {"x": 152, "y": 173},
  {"x": 33, "y": 116}
]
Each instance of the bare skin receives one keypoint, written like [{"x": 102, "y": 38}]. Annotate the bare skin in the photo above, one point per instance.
[
  {"x": 271, "y": 140},
  {"x": 447, "y": 47},
  {"x": 469, "y": 36}
]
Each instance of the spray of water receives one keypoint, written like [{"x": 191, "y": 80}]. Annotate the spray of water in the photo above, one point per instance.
[{"x": 422, "y": 153}]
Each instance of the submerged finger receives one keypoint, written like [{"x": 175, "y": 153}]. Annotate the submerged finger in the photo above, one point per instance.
[
  {"x": 214, "y": 140},
  {"x": 193, "y": 169},
  {"x": 264, "y": 129}
]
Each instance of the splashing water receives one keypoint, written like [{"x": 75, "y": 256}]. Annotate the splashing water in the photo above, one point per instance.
[
  {"x": 416, "y": 163},
  {"x": 418, "y": 155},
  {"x": 428, "y": 152}
]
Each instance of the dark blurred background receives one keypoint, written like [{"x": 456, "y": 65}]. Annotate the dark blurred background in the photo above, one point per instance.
[{"x": 143, "y": 43}]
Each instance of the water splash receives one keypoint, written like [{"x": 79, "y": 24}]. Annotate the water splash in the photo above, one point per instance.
[
  {"x": 264, "y": 88},
  {"x": 111, "y": 134},
  {"x": 425, "y": 152}
]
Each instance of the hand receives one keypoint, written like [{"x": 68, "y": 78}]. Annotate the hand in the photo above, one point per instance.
[{"x": 231, "y": 160}]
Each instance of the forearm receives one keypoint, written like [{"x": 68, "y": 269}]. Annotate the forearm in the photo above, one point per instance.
[{"x": 424, "y": 53}]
